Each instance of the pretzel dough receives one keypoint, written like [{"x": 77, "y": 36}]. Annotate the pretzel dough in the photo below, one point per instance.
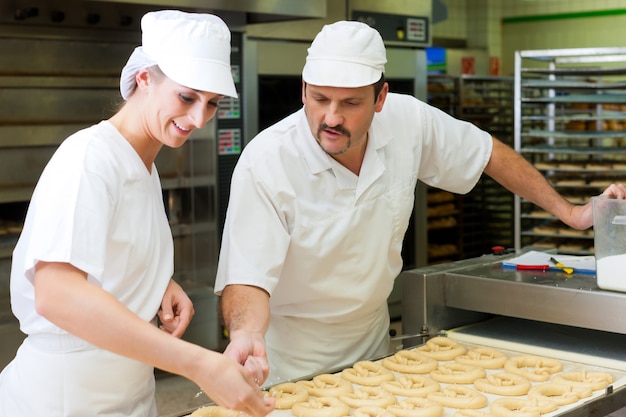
[
  {"x": 326, "y": 385},
  {"x": 503, "y": 383},
  {"x": 594, "y": 380},
  {"x": 368, "y": 397},
  {"x": 517, "y": 407},
  {"x": 459, "y": 396},
  {"x": 471, "y": 413},
  {"x": 287, "y": 394},
  {"x": 561, "y": 394},
  {"x": 367, "y": 373},
  {"x": 321, "y": 407},
  {"x": 411, "y": 386},
  {"x": 457, "y": 373},
  {"x": 535, "y": 368},
  {"x": 485, "y": 357},
  {"x": 409, "y": 362},
  {"x": 441, "y": 348},
  {"x": 416, "y": 407},
  {"x": 215, "y": 411},
  {"x": 371, "y": 412}
]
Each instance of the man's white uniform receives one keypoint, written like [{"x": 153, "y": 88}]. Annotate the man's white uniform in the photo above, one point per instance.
[{"x": 326, "y": 243}]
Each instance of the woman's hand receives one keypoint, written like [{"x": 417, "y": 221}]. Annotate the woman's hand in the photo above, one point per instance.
[
  {"x": 176, "y": 310},
  {"x": 235, "y": 388}
]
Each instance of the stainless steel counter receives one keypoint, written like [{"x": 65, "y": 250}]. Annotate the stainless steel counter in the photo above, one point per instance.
[
  {"x": 562, "y": 313},
  {"x": 450, "y": 295}
]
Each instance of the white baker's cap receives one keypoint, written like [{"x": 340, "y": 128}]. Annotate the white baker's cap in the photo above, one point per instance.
[
  {"x": 192, "y": 49},
  {"x": 345, "y": 54}
]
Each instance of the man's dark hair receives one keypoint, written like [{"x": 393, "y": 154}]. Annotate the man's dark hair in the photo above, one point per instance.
[{"x": 378, "y": 85}]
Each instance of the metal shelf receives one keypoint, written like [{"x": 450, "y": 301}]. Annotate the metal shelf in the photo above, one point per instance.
[{"x": 569, "y": 112}]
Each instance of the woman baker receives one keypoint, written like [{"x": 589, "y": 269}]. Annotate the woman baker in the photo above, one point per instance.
[{"x": 92, "y": 268}]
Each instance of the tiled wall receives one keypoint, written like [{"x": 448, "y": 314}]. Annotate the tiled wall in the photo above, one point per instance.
[
  {"x": 542, "y": 7},
  {"x": 455, "y": 26},
  {"x": 500, "y": 27}
]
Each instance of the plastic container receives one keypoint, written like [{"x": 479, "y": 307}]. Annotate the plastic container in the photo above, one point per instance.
[{"x": 609, "y": 225}]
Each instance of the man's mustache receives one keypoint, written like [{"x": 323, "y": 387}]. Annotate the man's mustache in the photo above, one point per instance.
[{"x": 338, "y": 128}]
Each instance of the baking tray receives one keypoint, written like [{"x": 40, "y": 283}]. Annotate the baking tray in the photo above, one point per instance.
[{"x": 606, "y": 399}]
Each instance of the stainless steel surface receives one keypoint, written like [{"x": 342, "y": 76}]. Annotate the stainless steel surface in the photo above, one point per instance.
[
  {"x": 477, "y": 287},
  {"x": 573, "y": 300},
  {"x": 305, "y": 30},
  {"x": 566, "y": 311},
  {"x": 257, "y": 10}
]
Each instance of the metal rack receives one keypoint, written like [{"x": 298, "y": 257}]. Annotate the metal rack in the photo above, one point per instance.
[
  {"x": 484, "y": 216},
  {"x": 444, "y": 209},
  {"x": 443, "y": 92},
  {"x": 487, "y": 101},
  {"x": 569, "y": 121}
]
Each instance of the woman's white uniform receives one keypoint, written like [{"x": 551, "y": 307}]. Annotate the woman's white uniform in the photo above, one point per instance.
[
  {"x": 325, "y": 243},
  {"x": 97, "y": 207}
]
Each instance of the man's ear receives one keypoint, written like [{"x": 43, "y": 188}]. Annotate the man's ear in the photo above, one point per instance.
[{"x": 382, "y": 95}]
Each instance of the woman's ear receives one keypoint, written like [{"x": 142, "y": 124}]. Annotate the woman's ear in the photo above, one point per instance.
[{"x": 142, "y": 78}]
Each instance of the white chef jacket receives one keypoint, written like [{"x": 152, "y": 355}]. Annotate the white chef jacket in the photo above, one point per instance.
[
  {"x": 97, "y": 207},
  {"x": 325, "y": 243}
]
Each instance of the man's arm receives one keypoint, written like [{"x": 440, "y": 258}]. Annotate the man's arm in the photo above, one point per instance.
[
  {"x": 246, "y": 314},
  {"x": 519, "y": 176}
]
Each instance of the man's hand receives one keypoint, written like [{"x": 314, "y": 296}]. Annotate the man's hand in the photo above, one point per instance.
[{"x": 248, "y": 349}]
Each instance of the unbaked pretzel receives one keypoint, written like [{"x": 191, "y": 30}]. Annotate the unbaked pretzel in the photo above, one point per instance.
[
  {"x": 416, "y": 407},
  {"x": 471, "y": 413},
  {"x": 459, "y": 396},
  {"x": 367, "y": 373},
  {"x": 371, "y": 412},
  {"x": 215, "y": 411},
  {"x": 411, "y": 386},
  {"x": 594, "y": 380},
  {"x": 457, "y": 373},
  {"x": 326, "y": 385},
  {"x": 485, "y": 357},
  {"x": 441, "y": 348},
  {"x": 504, "y": 383},
  {"x": 287, "y": 394},
  {"x": 321, "y": 407},
  {"x": 562, "y": 394},
  {"x": 409, "y": 362},
  {"x": 535, "y": 368},
  {"x": 517, "y": 407},
  {"x": 368, "y": 397}
]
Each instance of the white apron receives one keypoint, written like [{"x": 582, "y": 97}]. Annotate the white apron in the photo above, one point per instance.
[
  {"x": 74, "y": 379},
  {"x": 311, "y": 344}
]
